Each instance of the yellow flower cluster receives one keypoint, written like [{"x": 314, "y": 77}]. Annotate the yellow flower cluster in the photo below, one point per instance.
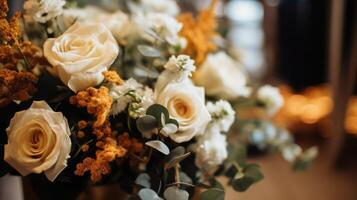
[
  {"x": 97, "y": 101},
  {"x": 16, "y": 86},
  {"x": 199, "y": 32}
]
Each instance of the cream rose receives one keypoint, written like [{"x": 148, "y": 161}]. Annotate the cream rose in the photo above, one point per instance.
[
  {"x": 117, "y": 22},
  {"x": 81, "y": 54},
  {"x": 38, "y": 141},
  {"x": 185, "y": 103},
  {"x": 222, "y": 77}
]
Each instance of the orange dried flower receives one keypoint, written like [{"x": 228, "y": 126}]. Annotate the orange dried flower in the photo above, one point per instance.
[
  {"x": 108, "y": 150},
  {"x": 199, "y": 32},
  {"x": 132, "y": 144},
  {"x": 19, "y": 86},
  {"x": 85, "y": 147},
  {"x": 3, "y": 8},
  {"x": 80, "y": 134},
  {"x": 97, "y": 101},
  {"x": 113, "y": 77},
  {"x": 82, "y": 124}
]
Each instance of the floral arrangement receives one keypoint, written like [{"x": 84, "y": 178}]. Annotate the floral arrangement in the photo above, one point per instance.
[{"x": 140, "y": 94}]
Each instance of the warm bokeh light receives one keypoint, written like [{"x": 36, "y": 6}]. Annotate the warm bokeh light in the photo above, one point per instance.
[
  {"x": 351, "y": 117},
  {"x": 312, "y": 106}
]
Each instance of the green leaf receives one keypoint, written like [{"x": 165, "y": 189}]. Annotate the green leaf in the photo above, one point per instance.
[
  {"x": 143, "y": 180},
  {"x": 253, "y": 171},
  {"x": 146, "y": 125},
  {"x": 216, "y": 184},
  {"x": 174, "y": 193},
  {"x": 149, "y": 51},
  {"x": 177, "y": 160},
  {"x": 242, "y": 184},
  {"x": 251, "y": 174},
  {"x": 158, "y": 145},
  {"x": 169, "y": 129},
  {"x": 212, "y": 194},
  {"x": 237, "y": 153},
  {"x": 157, "y": 110},
  {"x": 301, "y": 165},
  {"x": 148, "y": 194}
]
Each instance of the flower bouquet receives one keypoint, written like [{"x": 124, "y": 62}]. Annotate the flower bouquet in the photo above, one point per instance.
[{"x": 135, "y": 93}]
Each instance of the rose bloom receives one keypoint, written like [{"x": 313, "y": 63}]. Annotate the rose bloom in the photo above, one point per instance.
[
  {"x": 271, "y": 98},
  {"x": 81, "y": 54},
  {"x": 116, "y": 22},
  {"x": 165, "y": 26},
  {"x": 168, "y": 7},
  {"x": 211, "y": 149},
  {"x": 222, "y": 77},
  {"x": 43, "y": 10},
  {"x": 185, "y": 103},
  {"x": 38, "y": 141}
]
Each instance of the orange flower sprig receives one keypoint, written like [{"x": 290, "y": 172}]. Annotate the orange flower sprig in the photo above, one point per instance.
[
  {"x": 108, "y": 150},
  {"x": 16, "y": 86},
  {"x": 199, "y": 32},
  {"x": 97, "y": 101}
]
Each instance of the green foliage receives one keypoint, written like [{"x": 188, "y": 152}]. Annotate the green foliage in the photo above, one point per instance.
[
  {"x": 212, "y": 194},
  {"x": 148, "y": 194},
  {"x": 158, "y": 145},
  {"x": 175, "y": 193},
  {"x": 148, "y": 51},
  {"x": 143, "y": 180}
]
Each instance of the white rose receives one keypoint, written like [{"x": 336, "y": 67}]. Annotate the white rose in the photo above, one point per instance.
[
  {"x": 169, "y": 7},
  {"x": 210, "y": 149},
  {"x": 222, "y": 114},
  {"x": 116, "y": 22},
  {"x": 43, "y": 10},
  {"x": 185, "y": 103},
  {"x": 165, "y": 26},
  {"x": 271, "y": 98},
  {"x": 222, "y": 77},
  {"x": 81, "y": 54},
  {"x": 38, "y": 141}
]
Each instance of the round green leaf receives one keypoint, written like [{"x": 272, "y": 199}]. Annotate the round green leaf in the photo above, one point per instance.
[
  {"x": 158, "y": 145},
  {"x": 174, "y": 193}
]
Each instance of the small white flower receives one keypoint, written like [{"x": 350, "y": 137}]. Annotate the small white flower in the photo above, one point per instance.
[
  {"x": 211, "y": 150},
  {"x": 169, "y": 7},
  {"x": 131, "y": 93},
  {"x": 182, "y": 65},
  {"x": 271, "y": 98},
  {"x": 163, "y": 25},
  {"x": 43, "y": 10},
  {"x": 222, "y": 114}
]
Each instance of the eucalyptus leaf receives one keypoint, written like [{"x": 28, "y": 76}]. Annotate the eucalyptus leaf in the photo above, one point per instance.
[
  {"x": 177, "y": 160},
  {"x": 143, "y": 180},
  {"x": 148, "y": 194},
  {"x": 149, "y": 51},
  {"x": 242, "y": 184},
  {"x": 185, "y": 178},
  {"x": 146, "y": 125},
  {"x": 212, "y": 194},
  {"x": 158, "y": 145},
  {"x": 169, "y": 129},
  {"x": 174, "y": 193},
  {"x": 156, "y": 110}
]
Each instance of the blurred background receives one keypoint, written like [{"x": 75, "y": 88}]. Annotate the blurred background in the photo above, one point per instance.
[{"x": 309, "y": 49}]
